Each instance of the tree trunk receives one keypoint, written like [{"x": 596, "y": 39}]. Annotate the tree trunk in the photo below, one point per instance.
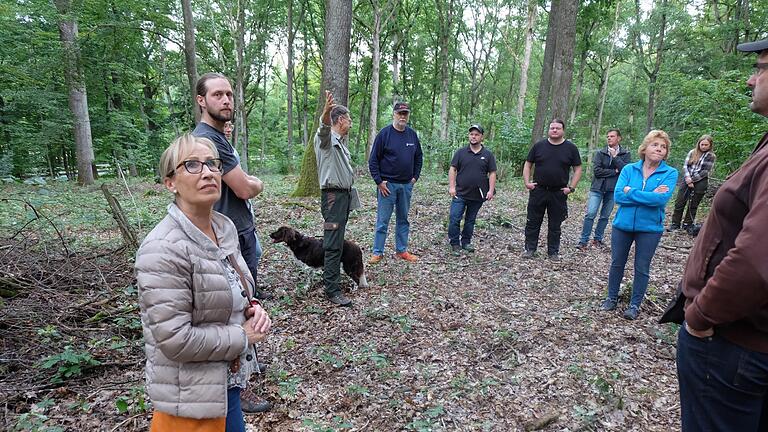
[
  {"x": 189, "y": 54},
  {"x": 380, "y": 19},
  {"x": 78, "y": 96},
  {"x": 338, "y": 27},
  {"x": 545, "y": 83},
  {"x": 305, "y": 97},
  {"x": 654, "y": 75},
  {"x": 529, "y": 29},
  {"x": 445, "y": 15},
  {"x": 289, "y": 86},
  {"x": 241, "y": 120},
  {"x": 604, "y": 78},
  {"x": 563, "y": 62}
]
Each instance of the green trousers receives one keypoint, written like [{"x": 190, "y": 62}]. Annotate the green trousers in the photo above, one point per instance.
[{"x": 335, "y": 208}]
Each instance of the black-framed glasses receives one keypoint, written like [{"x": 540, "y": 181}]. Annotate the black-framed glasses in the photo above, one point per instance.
[
  {"x": 196, "y": 167},
  {"x": 758, "y": 68}
]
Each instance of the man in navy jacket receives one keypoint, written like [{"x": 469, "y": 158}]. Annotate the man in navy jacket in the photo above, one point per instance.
[{"x": 395, "y": 165}]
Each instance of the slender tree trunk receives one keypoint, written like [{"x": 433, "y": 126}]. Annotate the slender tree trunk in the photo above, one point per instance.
[
  {"x": 189, "y": 54},
  {"x": 78, "y": 96},
  {"x": 373, "y": 115},
  {"x": 604, "y": 79},
  {"x": 445, "y": 31},
  {"x": 396, "y": 92},
  {"x": 579, "y": 86},
  {"x": 529, "y": 34},
  {"x": 289, "y": 85},
  {"x": 241, "y": 132},
  {"x": 653, "y": 76},
  {"x": 305, "y": 97}
]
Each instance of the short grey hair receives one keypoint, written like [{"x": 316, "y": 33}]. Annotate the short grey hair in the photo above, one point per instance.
[{"x": 337, "y": 112}]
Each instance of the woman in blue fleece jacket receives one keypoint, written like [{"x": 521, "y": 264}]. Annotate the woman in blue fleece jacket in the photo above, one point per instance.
[{"x": 642, "y": 192}]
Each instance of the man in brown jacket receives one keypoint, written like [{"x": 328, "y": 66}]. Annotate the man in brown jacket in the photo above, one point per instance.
[{"x": 722, "y": 350}]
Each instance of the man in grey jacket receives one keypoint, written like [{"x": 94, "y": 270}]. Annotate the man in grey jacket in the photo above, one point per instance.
[
  {"x": 338, "y": 197},
  {"x": 607, "y": 165}
]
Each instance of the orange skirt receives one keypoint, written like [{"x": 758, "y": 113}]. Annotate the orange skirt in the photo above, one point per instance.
[{"x": 162, "y": 422}]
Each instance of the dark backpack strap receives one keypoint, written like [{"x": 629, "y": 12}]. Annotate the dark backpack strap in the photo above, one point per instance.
[{"x": 243, "y": 280}]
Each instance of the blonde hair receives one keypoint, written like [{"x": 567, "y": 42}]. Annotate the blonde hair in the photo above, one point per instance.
[
  {"x": 697, "y": 153},
  {"x": 653, "y": 135},
  {"x": 180, "y": 147}
]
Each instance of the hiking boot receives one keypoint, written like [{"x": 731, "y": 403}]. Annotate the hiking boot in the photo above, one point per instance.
[
  {"x": 529, "y": 254},
  {"x": 598, "y": 244},
  {"x": 468, "y": 247},
  {"x": 375, "y": 259},
  {"x": 261, "y": 368},
  {"x": 609, "y": 304},
  {"x": 262, "y": 295},
  {"x": 250, "y": 403},
  {"x": 582, "y": 246},
  {"x": 673, "y": 227},
  {"x": 455, "y": 250},
  {"x": 631, "y": 313},
  {"x": 407, "y": 256},
  {"x": 554, "y": 257},
  {"x": 339, "y": 299}
]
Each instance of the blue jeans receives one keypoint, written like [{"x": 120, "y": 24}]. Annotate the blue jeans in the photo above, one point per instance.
[
  {"x": 235, "y": 421},
  {"x": 250, "y": 247},
  {"x": 458, "y": 205},
  {"x": 645, "y": 247},
  {"x": 593, "y": 204},
  {"x": 723, "y": 387},
  {"x": 399, "y": 200}
]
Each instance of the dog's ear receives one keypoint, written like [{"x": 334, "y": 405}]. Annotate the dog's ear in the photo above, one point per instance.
[{"x": 290, "y": 234}]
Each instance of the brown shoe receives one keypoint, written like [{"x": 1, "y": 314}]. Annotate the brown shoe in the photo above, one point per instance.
[
  {"x": 407, "y": 256},
  {"x": 250, "y": 403},
  {"x": 375, "y": 259}
]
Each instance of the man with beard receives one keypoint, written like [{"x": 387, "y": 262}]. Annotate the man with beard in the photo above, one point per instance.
[
  {"x": 722, "y": 347},
  {"x": 214, "y": 98},
  {"x": 552, "y": 158}
]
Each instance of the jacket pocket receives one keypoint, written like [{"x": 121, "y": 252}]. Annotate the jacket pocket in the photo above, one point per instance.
[{"x": 709, "y": 252}]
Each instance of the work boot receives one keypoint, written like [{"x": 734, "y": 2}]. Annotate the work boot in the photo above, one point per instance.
[
  {"x": 375, "y": 259},
  {"x": 609, "y": 304},
  {"x": 455, "y": 250},
  {"x": 468, "y": 247},
  {"x": 339, "y": 299},
  {"x": 631, "y": 313},
  {"x": 529, "y": 254},
  {"x": 250, "y": 403}
]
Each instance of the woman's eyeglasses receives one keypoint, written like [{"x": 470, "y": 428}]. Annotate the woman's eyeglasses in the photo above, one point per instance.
[{"x": 196, "y": 167}]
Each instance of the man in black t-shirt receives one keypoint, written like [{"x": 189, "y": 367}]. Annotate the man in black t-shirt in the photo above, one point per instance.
[
  {"x": 214, "y": 99},
  {"x": 553, "y": 158},
  {"x": 471, "y": 181}
]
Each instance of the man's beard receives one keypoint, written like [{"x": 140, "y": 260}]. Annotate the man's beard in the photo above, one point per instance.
[{"x": 219, "y": 117}]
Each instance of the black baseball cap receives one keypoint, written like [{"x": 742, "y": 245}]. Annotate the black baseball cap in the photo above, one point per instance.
[
  {"x": 478, "y": 128},
  {"x": 401, "y": 106},
  {"x": 753, "y": 47}
]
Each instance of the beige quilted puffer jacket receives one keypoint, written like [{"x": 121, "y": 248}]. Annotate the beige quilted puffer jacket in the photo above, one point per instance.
[{"x": 190, "y": 332}]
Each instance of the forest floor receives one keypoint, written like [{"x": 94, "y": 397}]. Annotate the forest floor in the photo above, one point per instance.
[{"x": 483, "y": 341}]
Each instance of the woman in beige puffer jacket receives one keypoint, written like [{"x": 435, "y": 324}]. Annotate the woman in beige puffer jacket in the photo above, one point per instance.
[{"x": 193, "y": 308}]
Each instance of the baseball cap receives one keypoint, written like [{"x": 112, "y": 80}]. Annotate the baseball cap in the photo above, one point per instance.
[
  {"x": 753, "y": 47},
  {"x": 478, "y": 127},
  {"x": 401, "y": 106}
]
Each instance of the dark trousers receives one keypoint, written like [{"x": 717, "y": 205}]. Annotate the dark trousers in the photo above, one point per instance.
[
  {"x": 692, "y": 197},
  {"x": 235, "y": 421},
  {"x": 251, "y": 250},
  {"x": 723, "y": 387},
  {"x": 555, "y": 203},
  {"x": 335, "y": 208},
  {"x": 458, "y": 207}
]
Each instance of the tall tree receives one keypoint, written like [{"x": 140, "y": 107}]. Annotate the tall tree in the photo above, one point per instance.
[
  {"x": 338, "y": 27},
  {"x": 530, "y": 24},
  {"x": 190, "y": 56},
  {"x": 78, "y": 96},
  {"x": 557, "y": 69},
  {"x": 381, "y": 17},
  {"x": 446, "y": 18}
]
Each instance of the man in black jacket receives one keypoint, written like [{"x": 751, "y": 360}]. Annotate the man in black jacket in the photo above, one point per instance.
[{"x": 607, "y": 165}]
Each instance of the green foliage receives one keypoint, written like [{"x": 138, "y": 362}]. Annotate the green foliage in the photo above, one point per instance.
[
  {"x": 132, "y": 403},
  {"x": 69, "y": 363}
]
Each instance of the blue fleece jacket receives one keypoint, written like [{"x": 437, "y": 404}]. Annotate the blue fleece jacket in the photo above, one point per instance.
[
  {"x": 640, "y": 208},
  {"x": 395, "y": 156}
]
